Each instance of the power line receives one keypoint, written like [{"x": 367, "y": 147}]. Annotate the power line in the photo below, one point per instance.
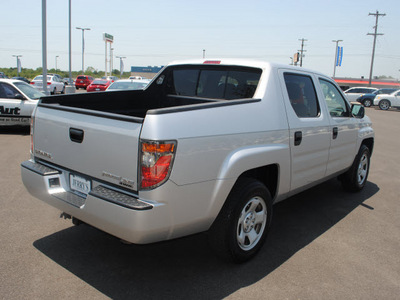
[{"x": 375, "y": 34}]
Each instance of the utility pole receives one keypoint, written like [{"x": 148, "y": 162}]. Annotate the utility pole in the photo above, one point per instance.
[
  {"x": 336, "y": 56},
  {"x": 301, "y": 51},
  {"x": 377, "y": 15}
]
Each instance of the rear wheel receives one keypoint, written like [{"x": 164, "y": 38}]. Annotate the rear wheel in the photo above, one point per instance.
[
  {"x": 384, "y": 104},
  {"x": 241, "y": 227}
]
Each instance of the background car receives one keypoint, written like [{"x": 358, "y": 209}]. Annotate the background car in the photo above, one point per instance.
[
  {"x": 111, "y": 78},
  {"x": 128, "y": 84},
  {"x": 83, "y": 81},
  {"x": 385, "y": 101},
  {"x": 54, "y": 84},
  {"x": 21, "y": 78},
  {"x": 68, "y": 82},
  {"x": 368, "y": 99},
  {"x": 18, "y": 100},
  {"x": 98, "y": 85},
  {"x": 354, "y": 93},
  {"x": 2, "y": 75}
]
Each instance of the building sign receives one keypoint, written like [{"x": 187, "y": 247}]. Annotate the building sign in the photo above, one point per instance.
[
  {"x": 108, "y": 37},
  {"x": 148, "y": 69}
]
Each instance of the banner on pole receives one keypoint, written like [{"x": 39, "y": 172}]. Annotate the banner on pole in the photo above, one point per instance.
[{"x": 339, "y": 57}]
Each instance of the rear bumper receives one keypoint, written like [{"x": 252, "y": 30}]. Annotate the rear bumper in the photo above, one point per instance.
[{"x": 114, "y": 211}]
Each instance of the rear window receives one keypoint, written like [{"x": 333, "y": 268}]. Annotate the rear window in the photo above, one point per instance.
[
  {"x": 218, "y": 83},
  {"x": 100, "y": 82},
  {"x": 81, "y": 77}
]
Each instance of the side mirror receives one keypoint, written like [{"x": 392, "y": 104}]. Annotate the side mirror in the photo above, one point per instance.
[
  {"x": 358, "y": 111},
  {"x": 19, "y": 96}
]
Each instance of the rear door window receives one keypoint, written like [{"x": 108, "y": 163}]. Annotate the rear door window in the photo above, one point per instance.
[{"x": 302, "y": 95}]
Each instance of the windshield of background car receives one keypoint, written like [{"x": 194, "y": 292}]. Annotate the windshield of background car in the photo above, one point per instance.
[
  {"x": 99, "y": 82},
  {"x": 29, "y": 91},
  {"x": 222, "y": 82},
  {"x": 127, "y": 85},
  {"x": 40, "y": 77}
]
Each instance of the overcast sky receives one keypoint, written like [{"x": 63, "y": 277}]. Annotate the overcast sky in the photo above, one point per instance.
[{"x": 153, "y": 33}]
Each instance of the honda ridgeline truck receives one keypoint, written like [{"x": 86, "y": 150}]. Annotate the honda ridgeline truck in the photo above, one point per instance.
[{"x": 209, "y": 145}]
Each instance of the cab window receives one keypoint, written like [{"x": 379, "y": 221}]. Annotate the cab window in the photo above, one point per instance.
[
  {"x": 302, "y": 95},
  {"x": 337, "y": 105}
]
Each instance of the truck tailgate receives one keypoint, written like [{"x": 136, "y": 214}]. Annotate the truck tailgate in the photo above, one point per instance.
[{"x": 89, "y": 145}]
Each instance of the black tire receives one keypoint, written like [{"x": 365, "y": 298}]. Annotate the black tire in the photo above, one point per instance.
[
  {"x": 384, "y": 104},
  {"x": 356, "y": 177},
  {"x": 243, "y": 223},
  {"x": 53, "y": 92},
  {"x": 63, "y": 90},
  {"x": 367, "y": 102}
]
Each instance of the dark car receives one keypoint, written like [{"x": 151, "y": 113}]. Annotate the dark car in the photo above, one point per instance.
[
  {"x": 368, "y": 99},
  {"x": 83, "y": 81},
  {"x": 22, "y": 79}
]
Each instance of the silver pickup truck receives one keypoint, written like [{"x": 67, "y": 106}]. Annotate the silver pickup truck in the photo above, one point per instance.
[{"x": 207, "y": 146}]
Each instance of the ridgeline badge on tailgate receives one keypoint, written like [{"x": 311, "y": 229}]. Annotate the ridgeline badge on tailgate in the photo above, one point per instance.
[
  {"x": 122, "y": 181},
  {"x": 43, "y": 153}
]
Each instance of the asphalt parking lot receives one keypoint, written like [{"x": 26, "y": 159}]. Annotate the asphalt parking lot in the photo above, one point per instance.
[{"x": 324, "y": 243}]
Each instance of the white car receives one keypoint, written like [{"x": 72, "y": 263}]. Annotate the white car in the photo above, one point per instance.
[
  {"x": 385, "y": 101},
  {"x": 54, "y": 84},
  {"x": 128, "y": 84},
  {"x": 17, "y": 102},
  {"x": 354, "y": 93}
]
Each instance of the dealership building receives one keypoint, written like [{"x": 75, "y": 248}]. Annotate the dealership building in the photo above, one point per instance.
[{"x": 145, "y": 72}]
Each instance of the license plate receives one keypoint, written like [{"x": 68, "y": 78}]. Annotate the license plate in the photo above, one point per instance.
[
  {"x": 97, "y": 89},
  {"x": 81, "y": 81},
  {"x": 79, "y": 184}
]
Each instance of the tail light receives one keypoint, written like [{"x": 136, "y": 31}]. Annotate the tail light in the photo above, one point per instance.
[
  {"x": 32, "y": 82},
  {"x": 48, "y": 83},
  {"x": 156, "y": 163}
]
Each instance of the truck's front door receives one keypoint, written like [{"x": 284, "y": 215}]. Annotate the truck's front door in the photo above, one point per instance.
[
  {"x": 344, "y": 128},
  {"x": 309, "y": 129}
]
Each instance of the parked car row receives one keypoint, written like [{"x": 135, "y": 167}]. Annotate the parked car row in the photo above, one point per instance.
[{"x": 384, "y": 98}]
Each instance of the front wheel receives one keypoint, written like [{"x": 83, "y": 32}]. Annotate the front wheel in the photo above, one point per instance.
[
  {"x": 367, "y": 102},
  {"x": 241, "y": 227},
  {"x": 384, "y": 104},
  {"x": 355, "y": 178}
]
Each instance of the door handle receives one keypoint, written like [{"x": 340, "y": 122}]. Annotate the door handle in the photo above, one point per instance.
[
  {"x": 335, "y": 132},
  {"x": 298, "y": 136},
  {"x": 76, "y": 135}
]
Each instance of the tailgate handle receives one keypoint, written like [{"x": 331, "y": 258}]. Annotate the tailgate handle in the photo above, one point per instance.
[{"x": 76, "y": 135}]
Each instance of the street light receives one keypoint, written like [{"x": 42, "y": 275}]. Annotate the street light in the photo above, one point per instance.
[
  {"x": 18, "y": 63},
  {"x": 336, "y": 54},
  {"x": 83, "y": 47},
  {"x": 121, "y": 65},
  {"x": 57, "y": 56}
]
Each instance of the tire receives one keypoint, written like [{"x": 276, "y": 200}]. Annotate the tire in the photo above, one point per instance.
[
  {"x": 355, "y": 178},
  {"x": 384, "y": 104},
  {"x": 243, "y": 223},
  {"x": 367, "y": 102},
  {"x": 53, "y": 92},
  {"x": 63, "y": 90}
]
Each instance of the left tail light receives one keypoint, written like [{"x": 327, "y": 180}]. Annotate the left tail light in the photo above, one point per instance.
[{"x": 156, "y": 159}]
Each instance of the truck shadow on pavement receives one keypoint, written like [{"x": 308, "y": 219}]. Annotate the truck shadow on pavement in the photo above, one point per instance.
[{"x": 186, "y": 268}]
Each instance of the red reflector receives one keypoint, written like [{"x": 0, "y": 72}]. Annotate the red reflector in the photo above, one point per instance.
[
  {"x": 32, "y": 82},
  {"x": 212, "y": 62},
  {"x": 48, "y": 83}
]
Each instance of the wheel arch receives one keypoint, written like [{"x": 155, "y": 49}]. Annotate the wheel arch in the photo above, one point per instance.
[{"x": 369, "y": 142}]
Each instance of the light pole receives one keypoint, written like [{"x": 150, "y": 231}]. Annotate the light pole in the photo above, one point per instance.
[
  {"x": 18, "y": 63},
  {"x": 336, "y": 54},
  {"x": 121, "y": 65},
  {"x": 83, "y": 47},
  {"x": 57, "y": 56}
]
